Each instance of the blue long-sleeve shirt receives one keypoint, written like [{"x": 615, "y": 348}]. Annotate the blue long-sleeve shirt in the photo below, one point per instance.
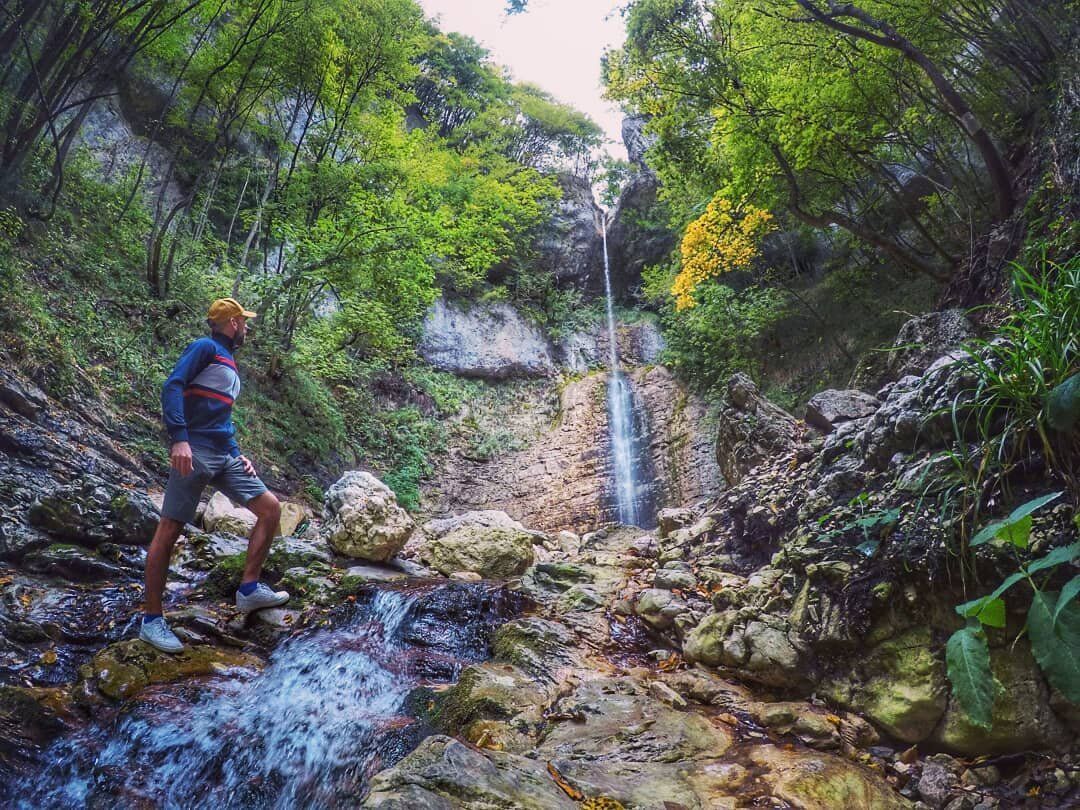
[{"x": 197, "y": 398}]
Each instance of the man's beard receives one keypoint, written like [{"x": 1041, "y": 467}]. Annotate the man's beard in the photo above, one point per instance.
[{"x": 238, "y": 340}]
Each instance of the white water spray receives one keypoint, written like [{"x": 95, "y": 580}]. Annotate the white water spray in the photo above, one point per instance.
[{"x": 620, "y": 415}]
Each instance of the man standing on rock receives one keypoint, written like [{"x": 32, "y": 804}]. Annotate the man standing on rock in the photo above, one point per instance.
[{"x": 197, "y": 406}]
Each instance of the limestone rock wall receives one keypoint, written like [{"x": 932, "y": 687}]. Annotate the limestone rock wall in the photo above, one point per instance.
[{"x": 561, "y": 480}]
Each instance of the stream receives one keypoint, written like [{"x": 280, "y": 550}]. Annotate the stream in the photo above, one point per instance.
[{"x": 327, "y": 711}]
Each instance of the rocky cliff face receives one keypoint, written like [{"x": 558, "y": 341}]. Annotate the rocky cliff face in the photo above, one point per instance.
[
  {"x": 636, "y": 236},
  {"x": 487, "y": 341},
  {"x": 569, "y": 245},
  {"x": 562, "y": 479}
]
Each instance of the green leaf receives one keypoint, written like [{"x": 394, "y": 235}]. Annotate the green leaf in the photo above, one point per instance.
[
  {"x": 972, "y": 608},
  {"x": 1057, "y": 556},
  {"x": 999, "y": 528},
  {"x": 1056, "y": 645},
  {"x": 1031, "y": 506},
  {"x": 968, "y": 660},
  {"x": 1068, "y": 593},
  {"x": 992, "y": 613},
  {"x": 1017, "y": 533}
]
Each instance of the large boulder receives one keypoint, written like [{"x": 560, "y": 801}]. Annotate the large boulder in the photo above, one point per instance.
[
  {"x": 362, "y": 518},
  {"x": 124, "y": 669},
  {"x": 488, "y": 341},
  {"x": 761, "y": 648},
  {"x": 830, "y": 408},
  {"x": 923, "y": 339},
  {"x": 92, "y": 511},
  {"x": 751, "y": 429},
  {"x": 222, "y": 515},
  {"x": 489, "y": 543}
]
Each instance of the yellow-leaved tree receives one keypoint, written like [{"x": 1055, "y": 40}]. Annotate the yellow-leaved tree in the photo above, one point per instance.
[{"x": 723, "y": 239}]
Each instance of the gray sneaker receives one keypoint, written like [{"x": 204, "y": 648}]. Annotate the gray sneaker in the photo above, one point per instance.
[
  {"x": 262, "y": 597},
  {"x": 157, "y": 634}
]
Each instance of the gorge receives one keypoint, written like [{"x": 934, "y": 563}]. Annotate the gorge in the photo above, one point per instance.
[{"x": 742, "y": 473}]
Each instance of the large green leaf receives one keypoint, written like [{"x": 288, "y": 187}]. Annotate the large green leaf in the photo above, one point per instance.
[
  {"x": 999, "y": 528},
  {"x": 1068, "y": 593},
  {"x": 968, "y": 661},
  {"x": 1017, "y": 533},
  {"x": 1057, "y": 556},
  {"x": 1056, "y": 645},
  {"x": 972, "y": 608}
]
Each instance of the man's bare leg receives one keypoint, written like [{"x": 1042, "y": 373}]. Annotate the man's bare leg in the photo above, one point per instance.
[
  {"x": 267, "y": 510},
  {"x": 157, "y": 562}
]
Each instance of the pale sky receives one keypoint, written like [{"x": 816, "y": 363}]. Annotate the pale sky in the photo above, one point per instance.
[{"x": 555, "y": 44}]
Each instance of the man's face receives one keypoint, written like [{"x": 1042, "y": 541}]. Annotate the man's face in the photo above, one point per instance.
[{"x": 240, "y": 328}]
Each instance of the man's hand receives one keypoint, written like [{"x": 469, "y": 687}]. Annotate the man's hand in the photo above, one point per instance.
[
  {"x": 180, "y": 458},
  {"x": 249, "y": 468}
]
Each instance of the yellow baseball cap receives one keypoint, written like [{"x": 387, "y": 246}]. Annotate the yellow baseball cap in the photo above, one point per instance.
[{"x": 228, "y": 308}]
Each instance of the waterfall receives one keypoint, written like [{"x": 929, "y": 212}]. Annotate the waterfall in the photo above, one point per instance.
[
  {"x": 620, "y": 406},
  {"x": 319, "y": 717}
]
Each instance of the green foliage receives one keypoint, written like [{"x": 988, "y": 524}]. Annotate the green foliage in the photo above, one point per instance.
[
  {"x": 1053, "y": 623},
  {"x": 719, "y": 336},
  {"x": 1007, "y": 406},
  {"x": 968, "y": 660}
]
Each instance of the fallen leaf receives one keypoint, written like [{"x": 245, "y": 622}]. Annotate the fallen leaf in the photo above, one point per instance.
[
  {"x": 567, "y": 788},
  {"x": 48, "y": 657}
]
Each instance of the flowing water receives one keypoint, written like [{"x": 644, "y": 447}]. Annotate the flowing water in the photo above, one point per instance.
[
  {"x": 632, "y": 490},
  {"x": 328, "y": 710}
]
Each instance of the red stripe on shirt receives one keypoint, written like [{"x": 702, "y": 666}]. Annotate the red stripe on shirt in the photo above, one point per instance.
[
  {"x": 223, "y": 359},
  {"x": 198, "y": 392}
]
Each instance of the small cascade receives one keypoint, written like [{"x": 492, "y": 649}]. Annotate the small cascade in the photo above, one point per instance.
[
  {"x": 633, "y": 491},
  {"x": 330, "y": 709}
]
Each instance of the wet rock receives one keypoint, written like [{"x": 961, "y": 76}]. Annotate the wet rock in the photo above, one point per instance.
[
  {"x": 624, "y": 722},
  {"x": 659, "y": 608},
  {"x": 222, "y": 516},
  {"x": 122, "y": 670},
  {"x": 285, "y": 553},
  {"x": 828, "y": 409},
  {"x": 671, "y": 519},
  {"x": 759, "y": 648},
  {"x": 22, "y": 397},
  {"x": 444, "y": 773},
  {"x": 27, "y": 722},
  {"x": 74, "y": 563},
  {"x": 17, "y": 539},
  {"x": 670, "y": 580},
  {"x": 751, "y": 429},
  {"x": 92, "y": 511},
  {"x": 538, "y": 646},
  {"x": 490, "y": 691},
  {"x": 362, "y": 518},
  {"x": 487, "y": 543},
  {"x": 821, "y": 780}
]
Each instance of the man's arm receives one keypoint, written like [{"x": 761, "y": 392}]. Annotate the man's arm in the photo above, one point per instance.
[{"x": 194, "y": 359}]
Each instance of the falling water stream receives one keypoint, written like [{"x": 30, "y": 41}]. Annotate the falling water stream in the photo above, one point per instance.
[
  {"x": 328, "y": 710},
  {"x": 632, "y": 501}
]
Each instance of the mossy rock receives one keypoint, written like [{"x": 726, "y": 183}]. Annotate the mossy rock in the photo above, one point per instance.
[
  {"x": 1022, "y": 718},
  {"x": 536, "y": 645},
  {"x": 904, "y": 692},
  {"x": 285, "y": 554},
  {"x": 27, "y": 721},
  {"x": 124, "y": 669},
  {"x": 486, "y": 691}
]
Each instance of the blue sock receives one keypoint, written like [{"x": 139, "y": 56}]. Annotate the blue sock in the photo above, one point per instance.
[
  {"x": 248, "y": 588},
  {"x": 150, "y": 617}
]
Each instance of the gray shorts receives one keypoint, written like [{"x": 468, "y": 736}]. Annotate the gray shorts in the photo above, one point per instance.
[{"x": 223, "y": 472}]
